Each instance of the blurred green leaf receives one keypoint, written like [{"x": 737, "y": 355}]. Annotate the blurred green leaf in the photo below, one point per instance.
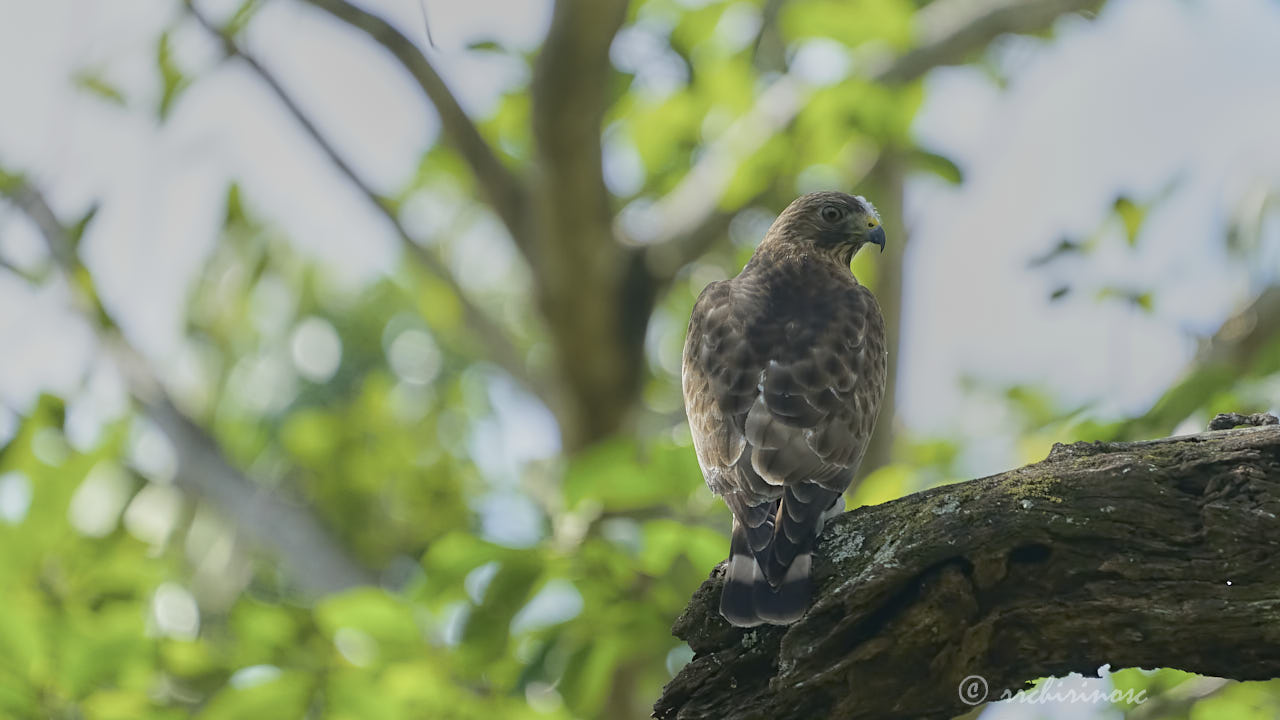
[
  {"x": 173, "y": 80},
  {"x": 621, "y": 476},
  {"x": 1143, "y": 300},
  {"x": 235, "y": 216},
  {"x": 311, "y": 436},
  {"x": 586, "y": 682},
  {"x": 852, "y": 23},
  {"x": 667, "y": 540},
  {"x": 936, "y": 164},
  {"x": 485, "y": 46},
  {"x": 95, "y": 652},
  {"x": 113, "y": 704},
  {"x": 264, "y": 631},
  {"x": 95, "y": 84},
  {"x": 76, "y": 232},
  {"x": 1131, "y": 215},
  {"x": 487, "y": 629},
  {"x": 241, "y": 17},
  {"x": 1066, "y": 247},
  {"x": 882, "y": 485},
  {"x": 278, "y": 694},
  {"x": 380, "y": 616}
]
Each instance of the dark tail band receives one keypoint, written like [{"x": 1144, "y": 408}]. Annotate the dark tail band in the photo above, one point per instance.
[{"x": 749, "y": 600}]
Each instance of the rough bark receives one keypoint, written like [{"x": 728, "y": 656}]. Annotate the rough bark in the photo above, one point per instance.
[{"x": 1145, "y": 554}]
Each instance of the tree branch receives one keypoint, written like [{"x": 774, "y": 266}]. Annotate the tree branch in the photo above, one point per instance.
[
  {"x": 570, "y": 92},
  {"x": 590, "y": 289},
  {"x": 665, "y": 259},
  {"x": 496, "y": 341},
  {"x": 683, "y": 214},
  {"x": 569, "y": 96},
  {"x": 697, "y": 197},
  {"x": 312, "y": 558},
  {"x": 956, "y": 46},
  {"x": 502, "y": 188},
  {"x": 1143, "y": 554},
  {"x": 1244, "y": 340}
]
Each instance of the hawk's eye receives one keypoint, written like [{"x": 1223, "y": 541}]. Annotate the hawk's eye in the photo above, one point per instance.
[{"x": 832, "y": 214}]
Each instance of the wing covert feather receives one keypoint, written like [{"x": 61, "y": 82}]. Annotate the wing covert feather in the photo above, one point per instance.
[{"x": 781, "y": 408}]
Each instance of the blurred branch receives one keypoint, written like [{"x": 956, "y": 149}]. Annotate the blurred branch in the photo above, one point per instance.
[
  {"x": 1145, "y": 554},
  {"x": 957, "y": 45},
  {"x": 769, "y": 51},
  {"x": 888, "y": 180},
  {"x": 497, "y": 342},
  {"x": 312, "y": 558},
  {"x": 592, "y": 291},
  {"x": 503, "y": 189},
  {"x": 575, "y": 251},
  {"x": 696, "y": 199},
  {"x": 665, "y": 259},
  {"x": 26, "y": 275},
  {"x": 1241, "y": 346},
  {"x": 685, "y": 214},
  {"x": 570, "y": 93}
]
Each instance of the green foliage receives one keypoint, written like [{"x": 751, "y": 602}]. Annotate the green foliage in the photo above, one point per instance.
[
  {"x": 172, "y": 80},
  {"x": 936, "y": 164},
  {"x": 851, "y": 23},
  {"x": 74, "y": 627},
  {"x": 636, "y": 478},
  {"x": 1131, "y": 216},
  {"x": 95, "y": 84},
  {"x": 241, "y": 17}
]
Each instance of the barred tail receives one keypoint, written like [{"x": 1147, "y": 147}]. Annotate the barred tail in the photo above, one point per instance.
[
  {"x": 771, "y": 556},
  {"x": 737, "y": 603},
  {"x": 788, "y": 602},
  {"x": 749, "y": 600}
]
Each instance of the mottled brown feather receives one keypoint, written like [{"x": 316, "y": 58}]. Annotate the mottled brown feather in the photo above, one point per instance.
[{"x": 784, "y": 369}]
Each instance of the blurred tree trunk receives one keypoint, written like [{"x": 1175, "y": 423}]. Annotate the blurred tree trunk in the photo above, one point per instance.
[
  {"x": 888, "y": 180},
  {"x": 582, "y": 272}
]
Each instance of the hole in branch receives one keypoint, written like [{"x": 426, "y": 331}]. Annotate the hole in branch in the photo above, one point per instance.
[{"x": 1030, "y": 554}]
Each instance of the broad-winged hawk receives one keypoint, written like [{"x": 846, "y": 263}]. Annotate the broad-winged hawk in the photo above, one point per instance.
[{"x": 784, "y": 369}]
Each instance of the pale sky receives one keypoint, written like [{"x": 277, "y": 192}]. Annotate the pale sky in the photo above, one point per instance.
[{"x": 1150, "y": 92}]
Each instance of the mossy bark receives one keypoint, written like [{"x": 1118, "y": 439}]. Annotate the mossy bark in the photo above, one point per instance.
[{"x": 1147, "y": 554}]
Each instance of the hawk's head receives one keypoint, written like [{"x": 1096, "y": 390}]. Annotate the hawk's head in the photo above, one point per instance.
[{"x": 831, "y": 221}]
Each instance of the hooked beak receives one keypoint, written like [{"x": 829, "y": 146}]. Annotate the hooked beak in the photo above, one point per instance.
[{"x": 876, "y": 236}]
